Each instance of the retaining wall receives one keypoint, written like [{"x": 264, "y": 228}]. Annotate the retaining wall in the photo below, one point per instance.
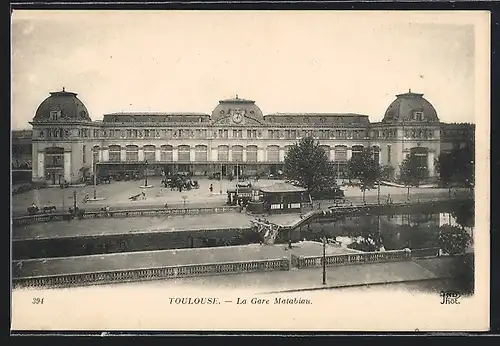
[{"x": 131, "y": 242}]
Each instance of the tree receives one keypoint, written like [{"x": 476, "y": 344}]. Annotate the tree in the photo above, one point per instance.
[
  {"x": 464, "y": 213},
  {"x": 307, "y": 163},
  {"x": 457, "y": 166},
  {"x": 464, "y": 161},
  {"x": 445, "y": 167},
  {"x": 387, "y": 173},
  {"x": 453, "y": 240},
  {"x": 363, "y": 167},
  {"x": 412, "y": 172}
]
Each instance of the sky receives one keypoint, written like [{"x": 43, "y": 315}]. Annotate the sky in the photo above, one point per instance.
[{"x": 294, "y": 61}]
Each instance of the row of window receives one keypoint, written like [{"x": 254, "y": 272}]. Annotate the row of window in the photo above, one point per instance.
[
  {"x": 225, "y": 134},
  {"x": 408, "y": 133},
  {"x": 202, "y": 133},
  {"x": 201, "y": 153}
]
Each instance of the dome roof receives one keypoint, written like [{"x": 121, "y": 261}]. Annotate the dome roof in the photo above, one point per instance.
[
  {"x": 66, "y": 105},
  {"x": 410, "y": 107},
  {"x": 225, "y": 107}
]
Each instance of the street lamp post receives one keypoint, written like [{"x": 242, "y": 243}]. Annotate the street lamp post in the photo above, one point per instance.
[
  {"x": 378, "y": 192},
  {"x": 237, "y": 177},
  {"x": 220, "y": 180},
  {"x": 74, "y": 199},
  {"x": 63, "y": 202},
  {"x": 146, "y": 174},
  {"x": 95, "y": 180},
  {"x": 324, "y": 261}
]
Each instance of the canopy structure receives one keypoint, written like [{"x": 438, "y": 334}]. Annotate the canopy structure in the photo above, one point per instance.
[{"x": 283, "y": 197}]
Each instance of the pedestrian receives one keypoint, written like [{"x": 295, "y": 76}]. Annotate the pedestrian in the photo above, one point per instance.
[{"x": 211, "y": 188}]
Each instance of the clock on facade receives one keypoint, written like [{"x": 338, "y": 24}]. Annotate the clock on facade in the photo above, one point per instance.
[{"x": 237, "y": 116}]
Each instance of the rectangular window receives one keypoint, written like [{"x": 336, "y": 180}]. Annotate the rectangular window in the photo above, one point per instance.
[
  {"x": 54, "y": 115},
  {"x": 84, "y": 156},
  {"x": 418, "y": 116},
  {"x": 388, "y": 154}
]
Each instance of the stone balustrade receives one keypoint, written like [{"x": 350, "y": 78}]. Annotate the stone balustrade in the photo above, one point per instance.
[
  {"x": 170, "y": 272},
  {"x": 38, "y": 218},
  {"x": 347, "y": 259}
]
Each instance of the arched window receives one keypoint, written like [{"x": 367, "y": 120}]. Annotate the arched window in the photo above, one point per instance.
[
  {"x": 376, "y": 153},
  {"x": 273, "y": 153},
  {"x": 184, "y": 153},
  {"x": 166, "y": 153},
  {"x": 287, "y": 149},
  {"x": 420, "y": 155},
  {"x": 252, "y": 153},
  {"x": 223, "y": 153},
  {"x": 237, "y": 153},
  {"x": 356, "y": 150},
  {"x": 115, "y": 153},
  {"x": 326, "y": 149},
  {"x": 150, "y": 153},
  {"x": 200, "y": 153},
  {"x": 95, "y": 154},
  {"x": 132, "y": 153},
  {"x": 341, "y": 153},
  {"x": 54, "y": 158}
]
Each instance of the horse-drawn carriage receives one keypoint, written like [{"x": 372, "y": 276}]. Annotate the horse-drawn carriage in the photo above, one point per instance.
[
  {"x": 36, "y": 210},
  {"x": 178, "y": 182}
]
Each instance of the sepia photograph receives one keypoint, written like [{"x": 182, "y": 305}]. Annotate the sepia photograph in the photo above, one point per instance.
[{"x": 250, "y": 170}]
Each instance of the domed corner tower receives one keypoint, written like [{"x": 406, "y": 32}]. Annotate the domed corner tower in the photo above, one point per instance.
[
  {"x": 62, "y": 131},
  {"x": 410, "y": 108},
  {"x": 62, "y": 106},
  {"x": 410, "y": 125},
  {"x": 236, "y": 111}
]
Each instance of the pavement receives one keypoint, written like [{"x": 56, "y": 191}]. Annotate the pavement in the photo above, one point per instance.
[
  {"x": 117, "y": 195},
  {"x": 153, "y": 259},
  {"x": 96, "y": 227},
  {"x": 298, "y": 280}
]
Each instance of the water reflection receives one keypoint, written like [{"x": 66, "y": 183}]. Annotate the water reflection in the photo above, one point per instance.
[{"x": 394, "y": 232}]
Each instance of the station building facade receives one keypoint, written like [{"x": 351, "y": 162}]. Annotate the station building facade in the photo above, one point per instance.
[{"x": 235, "y": 138}]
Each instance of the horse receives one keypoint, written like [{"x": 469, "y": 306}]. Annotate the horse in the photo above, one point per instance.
[{"x": 49, "y": 209}]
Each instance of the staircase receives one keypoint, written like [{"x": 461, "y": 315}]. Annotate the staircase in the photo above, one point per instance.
[{"x": 269, "y": 229}]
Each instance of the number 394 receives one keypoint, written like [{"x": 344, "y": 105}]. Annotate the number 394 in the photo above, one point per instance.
[{"x": 37, "y": 301}]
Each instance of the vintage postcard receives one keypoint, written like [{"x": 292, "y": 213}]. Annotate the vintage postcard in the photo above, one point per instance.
[{"x": 250, "y": 170}]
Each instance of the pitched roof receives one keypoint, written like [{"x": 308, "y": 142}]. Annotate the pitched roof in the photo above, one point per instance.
[{"x": 282, "y": 187}]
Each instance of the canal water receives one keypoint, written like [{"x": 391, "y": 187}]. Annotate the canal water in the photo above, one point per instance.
[
  {"x": 416, "y": 230},
  {"x": 386, "y": 232}
]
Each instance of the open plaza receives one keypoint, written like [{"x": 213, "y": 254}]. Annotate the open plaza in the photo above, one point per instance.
[{"x": 117, "y": 195}]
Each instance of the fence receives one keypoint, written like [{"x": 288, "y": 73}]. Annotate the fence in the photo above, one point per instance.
[
  {"x": 25, "y": 220},
  {"x": 346, "y": 259},
  {"x": 170, "y": 272}
]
